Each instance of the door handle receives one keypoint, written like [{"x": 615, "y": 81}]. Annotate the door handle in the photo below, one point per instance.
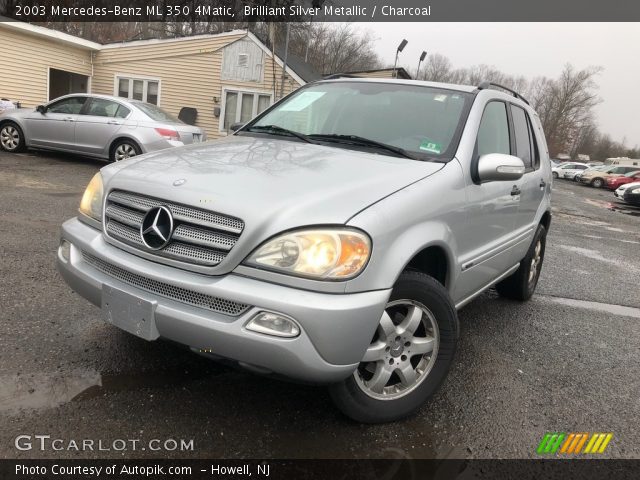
[
  {"x": 515, "y": 191},
  {"x": 542, "y": 183},
  {"x": 69, "y": 119},
  {"x": 113, "y": 122}
]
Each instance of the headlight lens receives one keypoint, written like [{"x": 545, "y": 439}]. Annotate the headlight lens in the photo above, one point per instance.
[
  {"x": 91, "y": 203},
  {"x": 334, "y": 254}
]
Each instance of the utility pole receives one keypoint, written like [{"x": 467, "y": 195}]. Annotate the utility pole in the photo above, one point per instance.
[{"x": 284, "y": 66}]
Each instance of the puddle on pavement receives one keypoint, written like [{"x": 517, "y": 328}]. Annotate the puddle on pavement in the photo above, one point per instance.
[
  {"x": 49, "y": 390},
  {"x": 596, "y": 306}
]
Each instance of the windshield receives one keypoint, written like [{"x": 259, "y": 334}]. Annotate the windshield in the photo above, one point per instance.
[
  {"x": 419, "y": 120},
  {"x": 156, "y": 113}
]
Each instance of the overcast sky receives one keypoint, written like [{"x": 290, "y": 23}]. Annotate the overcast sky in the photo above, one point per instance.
[{"x": 532, "y": 49}]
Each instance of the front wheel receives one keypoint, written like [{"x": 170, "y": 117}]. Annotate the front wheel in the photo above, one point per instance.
[
  {"x": 11, "y": 138},
  {"x": 597, "y": 182},
  {"x": 409, "y": 355},
  {"x": 522, "y": 284},
  {"x": 555, "y": 175}
]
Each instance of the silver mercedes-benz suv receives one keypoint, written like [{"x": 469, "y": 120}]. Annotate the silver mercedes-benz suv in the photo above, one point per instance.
[{"x": 329, "y": 240}]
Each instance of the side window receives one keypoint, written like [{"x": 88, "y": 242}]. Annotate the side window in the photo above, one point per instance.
[
  {"x": 71, "y": 106},
  {"x": 493, "y": 134},
  {"x": 521, "y": 132},
  {"x": 99, "y": 107},
  {"x": 123, "y": 112},
  {"x": 581, "y": 167}
]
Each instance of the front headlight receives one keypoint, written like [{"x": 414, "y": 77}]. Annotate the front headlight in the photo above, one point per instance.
[
  {"x": 635, "y": 192},
  {"x": 327, "y": 254},
  {"x": 91, "y": 203}
]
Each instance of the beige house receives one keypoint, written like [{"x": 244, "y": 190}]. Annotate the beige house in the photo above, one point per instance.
[{"x": 227, "y": 78}]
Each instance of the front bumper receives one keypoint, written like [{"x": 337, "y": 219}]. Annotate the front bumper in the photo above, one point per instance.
[{"x": 336, "y": 329}]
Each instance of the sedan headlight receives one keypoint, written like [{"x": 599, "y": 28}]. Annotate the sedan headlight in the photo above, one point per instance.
[
  {"x": 327, "y": 254},
  {"x": 635, "y": 192},
  {"x": 91, "y": 203}
]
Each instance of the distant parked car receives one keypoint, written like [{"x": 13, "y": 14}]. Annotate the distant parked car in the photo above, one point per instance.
[
  {"x": 614, "y": 182},
  {"x": 597, "y": 178},
  {"x": 619, "y": 193},
  {"x": 577, "y": 176},
  {"x": 568, "y": 170},
  {"x": 632, "y": 195},
  {"x": 99, "y": 126}
]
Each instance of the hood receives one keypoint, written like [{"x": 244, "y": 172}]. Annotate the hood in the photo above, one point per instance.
[{"x": 271, "y": 184}]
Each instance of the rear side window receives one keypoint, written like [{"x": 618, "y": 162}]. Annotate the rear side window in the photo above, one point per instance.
[
  {"x": 493, "y": 134},
  {"x": 523, "y": 136}
]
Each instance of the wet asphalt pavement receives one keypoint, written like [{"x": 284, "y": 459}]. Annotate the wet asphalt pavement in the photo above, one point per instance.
[{"x": 566, "y": 361}]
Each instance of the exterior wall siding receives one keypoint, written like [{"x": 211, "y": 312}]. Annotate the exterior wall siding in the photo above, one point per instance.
[
  {"x": 189, "y": 72},
  {"x": 25, "y": 61}
]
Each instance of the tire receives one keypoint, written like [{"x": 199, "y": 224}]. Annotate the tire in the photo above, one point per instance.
[
  {"x": 555, "y": 175},
  {"x": 11, "y": 138},
  {"x": 419, "y": 314},
  {"x": 124, "y": 149},
  {"x": 597, "y": 182},
  {"x": 522, "y": 284}
]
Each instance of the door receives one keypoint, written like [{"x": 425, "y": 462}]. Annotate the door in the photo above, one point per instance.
[
  {"x": 97, "y": 124},
  {"x": 492, "y": 207},
  {"x": 533, "y": 182},
  {"x": 56, "y": 127}
]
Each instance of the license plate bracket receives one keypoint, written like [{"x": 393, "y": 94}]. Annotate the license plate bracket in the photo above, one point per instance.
[{"x": 128, "y": 312}]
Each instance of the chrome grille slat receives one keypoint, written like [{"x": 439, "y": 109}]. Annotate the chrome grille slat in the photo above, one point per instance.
[
  {"x": 205, "y": 238},
  {"x": 200, "y": 238},
  {"x": 124, "y": 215},
  {"x": 179, "y": 294},
  {"x": 180, "y": 212},
  {"x": 176, "y": 250}
]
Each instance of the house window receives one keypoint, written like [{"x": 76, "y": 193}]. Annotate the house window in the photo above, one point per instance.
[
  {"x": 138, "y": 89},
  {"x": 243, "y": 106}
]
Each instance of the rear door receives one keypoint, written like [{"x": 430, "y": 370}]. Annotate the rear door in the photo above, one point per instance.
[
  {"x": 56, "y": 127},
  {"x": 98, "y": 123}
]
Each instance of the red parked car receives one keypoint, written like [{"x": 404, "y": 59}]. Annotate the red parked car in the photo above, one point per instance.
[{"x": 614, "y": 182}]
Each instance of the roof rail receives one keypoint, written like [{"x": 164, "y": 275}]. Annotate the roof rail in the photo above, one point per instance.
[
  {"x": 486, "y": 84},
  {"x": 339, "y": 75}
]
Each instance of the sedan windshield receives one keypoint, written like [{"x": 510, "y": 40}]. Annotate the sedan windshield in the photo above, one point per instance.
[{"x": 393, "y": 119}]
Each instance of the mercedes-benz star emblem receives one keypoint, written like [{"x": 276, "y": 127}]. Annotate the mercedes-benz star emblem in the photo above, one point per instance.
[{"x": 157, "y": 227}]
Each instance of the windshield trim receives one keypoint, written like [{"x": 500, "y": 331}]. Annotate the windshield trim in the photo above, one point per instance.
[{"x": 445, "y": 157}]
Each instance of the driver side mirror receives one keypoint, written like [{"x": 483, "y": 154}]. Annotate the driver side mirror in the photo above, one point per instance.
[
  {"x": 42, "y": 109},
  {"x": 495, "y": 167}
]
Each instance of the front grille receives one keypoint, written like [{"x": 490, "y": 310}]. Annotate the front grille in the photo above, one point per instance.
[
  {"x": 200, "y": 237},
  {"x": 182, "y": 295}
]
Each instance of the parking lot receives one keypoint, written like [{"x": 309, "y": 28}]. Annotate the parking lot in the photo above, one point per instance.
[{"x": 566, "y": 361}]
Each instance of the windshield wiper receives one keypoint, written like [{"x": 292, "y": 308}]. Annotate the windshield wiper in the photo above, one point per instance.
[
  {"x": 279, "y": 130},
  {"x": 366, "y": 142}
]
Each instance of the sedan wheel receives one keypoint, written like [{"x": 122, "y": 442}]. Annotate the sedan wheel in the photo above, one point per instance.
[
  {"x": 124, "y": 151},
  {"x": 10, "y": 138},
  {"x": 402, "y": 353},
  {"x": 598, "y": 182}
]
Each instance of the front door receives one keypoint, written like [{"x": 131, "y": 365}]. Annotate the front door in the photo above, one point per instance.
[
  {"x": 485, "y": 248},
  {"x": 56, "y": 127}
]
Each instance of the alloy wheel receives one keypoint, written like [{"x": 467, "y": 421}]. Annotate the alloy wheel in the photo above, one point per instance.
[
  {"x": 9, "y": 138},
  {"x": 402, "y": 353},
  {"x": 535, "y": 262},
  {"x": 124, "y": 151}
]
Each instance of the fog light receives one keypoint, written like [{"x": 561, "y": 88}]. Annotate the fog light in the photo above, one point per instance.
[
  {"x": 273, "y": 324},
  {"x": 65, "y": 250}
]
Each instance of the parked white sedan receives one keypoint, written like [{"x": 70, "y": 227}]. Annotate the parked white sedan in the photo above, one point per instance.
[
  {"x": 568, "y": 170},
  {"x": 619, "y": 193}
]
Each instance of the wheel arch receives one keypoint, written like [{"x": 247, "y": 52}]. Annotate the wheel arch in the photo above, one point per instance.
[{"x": 120, "y": 138}]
